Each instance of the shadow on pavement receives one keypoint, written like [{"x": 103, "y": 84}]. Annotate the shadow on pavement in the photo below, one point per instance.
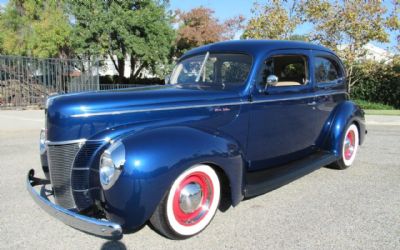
[{"x": 117, "y": 245}]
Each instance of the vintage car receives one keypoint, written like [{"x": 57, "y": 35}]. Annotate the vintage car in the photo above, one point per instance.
[{"x": 235, "y": 120}]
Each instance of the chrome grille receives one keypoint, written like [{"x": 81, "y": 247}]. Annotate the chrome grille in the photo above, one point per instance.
[
  {"x": 84, "y": 176},
  {"x": 61, "y": 159}
]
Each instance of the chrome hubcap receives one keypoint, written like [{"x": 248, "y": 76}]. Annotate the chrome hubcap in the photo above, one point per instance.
[
  {"x": 190, "y": 197},
  {"x": 349, "y": 145}
]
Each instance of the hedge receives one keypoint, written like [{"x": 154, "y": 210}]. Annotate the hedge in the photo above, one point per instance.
[{"x": 379, "y": 82}]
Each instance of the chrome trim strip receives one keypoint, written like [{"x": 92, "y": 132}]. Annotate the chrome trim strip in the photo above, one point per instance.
[
  {"x": 65, "y": 142},
  {"x": 201, "y": 105},
  {"x": 80, "y": 168},
  {"x": 299, "y": 97},
  {"x": 82, "y": 140},
  {"x": 102, "y": 228},
  {"x": 156, "y": 109},
  {"x": 86, "y": 190}
]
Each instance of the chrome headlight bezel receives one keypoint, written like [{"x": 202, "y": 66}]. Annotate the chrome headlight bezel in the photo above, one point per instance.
[
  {"x": 42, "y": 141},
  {"x": 111, "y": 164}
]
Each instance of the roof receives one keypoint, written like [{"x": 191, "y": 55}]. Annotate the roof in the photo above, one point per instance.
[{"x": 254, "y": 47}]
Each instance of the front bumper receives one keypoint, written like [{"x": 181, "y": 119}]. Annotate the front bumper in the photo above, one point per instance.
[{"x": 102, "y": 228}]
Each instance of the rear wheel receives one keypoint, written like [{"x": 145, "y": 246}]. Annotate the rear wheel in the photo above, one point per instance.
[
  {"x": 190, "y": 204},
  {"x": 350, "y": 143}
]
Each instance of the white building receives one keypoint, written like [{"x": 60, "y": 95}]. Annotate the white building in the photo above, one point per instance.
[
  {"x": 107, "y": 68},
  {"x": 374, "y": 53}
]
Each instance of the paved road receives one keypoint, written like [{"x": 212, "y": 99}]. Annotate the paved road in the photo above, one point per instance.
[{"x": 328, "y": 209}]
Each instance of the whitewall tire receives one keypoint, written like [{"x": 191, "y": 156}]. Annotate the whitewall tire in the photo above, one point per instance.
[
  {"x": 350, "y": 143},
  {"x": 190, "y": 204}
]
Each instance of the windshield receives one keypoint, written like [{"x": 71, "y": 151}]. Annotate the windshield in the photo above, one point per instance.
[{"x": 212, "y": 68}]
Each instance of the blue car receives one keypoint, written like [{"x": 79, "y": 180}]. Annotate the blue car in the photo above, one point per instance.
[{"x": 235, "y": 120}]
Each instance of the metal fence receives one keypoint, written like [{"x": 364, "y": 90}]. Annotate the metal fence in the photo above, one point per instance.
[
  {"x": 119, "y": 86},
  {"x": 28, "y": 81}
]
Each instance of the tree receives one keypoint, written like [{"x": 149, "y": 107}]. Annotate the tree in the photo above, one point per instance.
[
  {"x": 276, "y": 19},
  {"x": 347, "y": 26},
  {"x": 1, "y": 33},
  {"x": 199, "y": 27},
  {"x": 297, "y": 37},
  {"x": 139, "y": 31},
  {"x": 398, "y": 42},
  {"x": 35, "y": 28}
]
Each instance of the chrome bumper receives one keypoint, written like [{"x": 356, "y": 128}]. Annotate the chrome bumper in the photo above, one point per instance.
[{"x": 102, "y": 228}]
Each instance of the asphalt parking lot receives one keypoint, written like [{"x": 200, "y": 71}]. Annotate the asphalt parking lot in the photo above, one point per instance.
[{"x": 358, "y": 208}]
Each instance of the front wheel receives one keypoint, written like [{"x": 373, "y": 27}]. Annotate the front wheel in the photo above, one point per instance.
[
  {"x": 350, "y": 143},
  {"x": 190, "y": 204}
]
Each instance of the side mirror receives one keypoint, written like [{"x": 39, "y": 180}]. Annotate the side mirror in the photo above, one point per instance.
[
  {"x": 272, "y": 80},
  {"x": 167, "y": 79}
]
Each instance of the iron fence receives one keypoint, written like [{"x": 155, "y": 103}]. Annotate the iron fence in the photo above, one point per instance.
[
  {"x": 28, "y": 81},
  {"x": 119, "y": 86}
]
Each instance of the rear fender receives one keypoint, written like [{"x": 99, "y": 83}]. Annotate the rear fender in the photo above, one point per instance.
[{"x": 341, "y": 117}]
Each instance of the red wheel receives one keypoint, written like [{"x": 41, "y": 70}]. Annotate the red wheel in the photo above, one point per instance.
[
  {"x": 192, "y": 199},
  {"x": 190, "y": 204}
]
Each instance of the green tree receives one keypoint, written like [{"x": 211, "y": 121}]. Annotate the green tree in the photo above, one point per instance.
[
  {"x": 275, "y": 19},
  {"x": 52, "y": 33},
  {"x": 347, "y": 26},
  {"x": 1, "y": 33},
  {"x": 297, "y": 37},
  {"x": 35, "y": 28},
  {"x": 139, "y": 31}
]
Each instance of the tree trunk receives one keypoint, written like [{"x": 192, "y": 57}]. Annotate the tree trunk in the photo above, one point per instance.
[
  {"x": 121, "y": 70},
  {"x": 141, "y": 67},
  {"x": 350, "y": 78},
  {"x": 133, "y": 67}
]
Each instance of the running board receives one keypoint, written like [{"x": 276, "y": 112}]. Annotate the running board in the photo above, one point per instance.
[{"x": 260, "y": 182}]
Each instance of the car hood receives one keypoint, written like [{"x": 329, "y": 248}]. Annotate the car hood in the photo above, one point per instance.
[{"x": 75, "y": 116}]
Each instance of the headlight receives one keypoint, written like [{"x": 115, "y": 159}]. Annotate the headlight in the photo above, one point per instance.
[
  {"x": 42, "y": 141},
  {"x": 111, "y": 164}
]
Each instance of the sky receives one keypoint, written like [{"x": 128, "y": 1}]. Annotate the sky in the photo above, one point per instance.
[{"x": 225, "y": 9}]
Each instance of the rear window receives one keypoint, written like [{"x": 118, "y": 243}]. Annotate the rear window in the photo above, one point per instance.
[{"x": 326, "y": 70}]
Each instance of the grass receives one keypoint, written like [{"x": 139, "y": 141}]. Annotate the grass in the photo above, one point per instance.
[
  {"x": 373, "y": 105},
  {"x": 382, "y": 112},
  {"x": 374, "y": 108}
]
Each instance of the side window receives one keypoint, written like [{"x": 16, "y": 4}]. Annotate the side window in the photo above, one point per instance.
[
  {"x": 326, "y": 70},
  {"x": 291, "y": 70},
  {"x": 226, "y": 69},
  {"x": 209, "y": 70},
  {"x": 235, "y": 71}
]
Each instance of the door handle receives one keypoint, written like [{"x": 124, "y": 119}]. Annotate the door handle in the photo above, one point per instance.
[{"x": 312, "y": 103}]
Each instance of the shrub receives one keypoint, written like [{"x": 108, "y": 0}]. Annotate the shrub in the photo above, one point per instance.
[
  {"x": 379, "y": 83},
  {"x": 108, "y": 79}
]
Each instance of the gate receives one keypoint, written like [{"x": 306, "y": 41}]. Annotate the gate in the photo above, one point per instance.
[{"x": 26, "y": 81}]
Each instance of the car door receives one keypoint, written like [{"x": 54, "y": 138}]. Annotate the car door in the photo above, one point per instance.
[
  {"x": 281, "y": 125},
  {"x": 329, "y": 80}
]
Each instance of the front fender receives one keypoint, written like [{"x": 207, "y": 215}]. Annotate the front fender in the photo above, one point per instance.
[
  {"x": 342, "y": 116},
  {"x": 155, "y": 158}
]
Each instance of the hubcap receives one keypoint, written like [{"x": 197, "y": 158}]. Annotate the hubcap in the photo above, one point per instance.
[
  {"x": 190, "y": 198},
  {"x": 193, "y": 198},
  {"x": 349, "y": 145}
]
